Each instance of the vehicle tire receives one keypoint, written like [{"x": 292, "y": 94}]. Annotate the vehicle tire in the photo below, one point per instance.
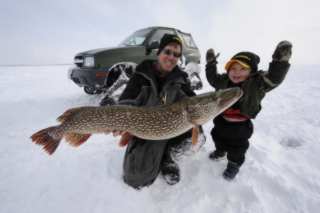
[{"x": 91, "y": 90}]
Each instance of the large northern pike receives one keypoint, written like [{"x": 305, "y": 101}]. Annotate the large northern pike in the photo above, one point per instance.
[{"x": 153, "y": 123}]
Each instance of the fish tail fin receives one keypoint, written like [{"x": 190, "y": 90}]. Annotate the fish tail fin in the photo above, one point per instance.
[
  {"x": 49, "y": 138},
  {"x": 76, "y": 139}
]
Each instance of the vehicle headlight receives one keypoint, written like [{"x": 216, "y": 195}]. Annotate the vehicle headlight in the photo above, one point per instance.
[{"x": 88, "y": 61}]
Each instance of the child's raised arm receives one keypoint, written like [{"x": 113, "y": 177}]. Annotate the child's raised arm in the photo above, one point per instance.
[
  {"x": 216, "y": 80},
  {"x": 279, "y": 66}
]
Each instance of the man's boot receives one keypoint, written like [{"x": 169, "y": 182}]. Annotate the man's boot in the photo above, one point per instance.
[{"x": 170, "y": 170}]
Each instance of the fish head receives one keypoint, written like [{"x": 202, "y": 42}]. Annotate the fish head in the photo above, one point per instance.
[
  {"x": 227, "y": 97},
  {"x": 204, "y": 107}
]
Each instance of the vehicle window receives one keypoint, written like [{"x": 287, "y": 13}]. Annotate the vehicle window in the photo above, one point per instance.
[
  {"x": 159, "y": 34},
  {"x": 188, "y": 40},
  {"x": 137, "y": 38}
]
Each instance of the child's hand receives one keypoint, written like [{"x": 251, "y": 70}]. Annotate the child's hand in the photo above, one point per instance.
[
  {"x": 283, "y": 51},
  {"x": 211, "y": 57}
]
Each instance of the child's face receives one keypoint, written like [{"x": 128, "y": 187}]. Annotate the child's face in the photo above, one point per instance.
[{"x": 238, "y": 73}]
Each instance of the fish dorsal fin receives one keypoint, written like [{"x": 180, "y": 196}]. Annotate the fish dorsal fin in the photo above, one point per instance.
[{"x": 69, "y": 113}]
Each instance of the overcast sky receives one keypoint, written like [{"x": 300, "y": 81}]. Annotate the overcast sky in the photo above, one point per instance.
[{"x": 41, "y": 32}]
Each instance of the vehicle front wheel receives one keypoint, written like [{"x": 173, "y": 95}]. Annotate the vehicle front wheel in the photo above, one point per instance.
[{"x": 91, "y": 90}]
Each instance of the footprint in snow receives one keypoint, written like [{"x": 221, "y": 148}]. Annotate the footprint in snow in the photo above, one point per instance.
[{"x": 292, "y": 142}]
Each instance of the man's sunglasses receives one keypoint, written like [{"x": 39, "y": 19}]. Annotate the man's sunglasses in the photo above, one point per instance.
[{"x": 169, "y": 52}]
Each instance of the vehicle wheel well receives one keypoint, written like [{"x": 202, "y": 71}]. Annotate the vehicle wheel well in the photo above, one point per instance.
[{"x": 117, "y": 69}]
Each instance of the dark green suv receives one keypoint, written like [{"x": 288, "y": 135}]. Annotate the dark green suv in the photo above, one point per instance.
[{"x": 97, "y": 70}]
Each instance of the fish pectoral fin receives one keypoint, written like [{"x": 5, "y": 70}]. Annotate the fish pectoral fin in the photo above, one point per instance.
[
  {"x": 76, "y": 139},
  {"x": 195, "y": 135},
  {"x": 193, "y": 115}
]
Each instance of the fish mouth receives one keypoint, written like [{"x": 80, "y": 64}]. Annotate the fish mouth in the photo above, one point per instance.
[{"x": 229, "y": 96}]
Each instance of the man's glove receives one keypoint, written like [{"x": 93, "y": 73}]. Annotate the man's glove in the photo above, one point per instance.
[
  {"x": 283, "y": 51},
  {"x": 211, "y": 57}
]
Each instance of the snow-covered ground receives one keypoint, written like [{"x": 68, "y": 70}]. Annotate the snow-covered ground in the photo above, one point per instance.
[{"x": 281, "y": 173}]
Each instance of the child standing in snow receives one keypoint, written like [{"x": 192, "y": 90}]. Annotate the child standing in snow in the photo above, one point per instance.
[{"x": 233, "y": 128}]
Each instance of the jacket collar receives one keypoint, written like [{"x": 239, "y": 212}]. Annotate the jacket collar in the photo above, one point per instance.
[{"x": 148, "y": 70}]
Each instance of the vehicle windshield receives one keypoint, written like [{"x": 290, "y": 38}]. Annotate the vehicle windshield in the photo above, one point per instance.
[
  {"x": 137, "y": 38},
  {"x": 188, "y": 40}
]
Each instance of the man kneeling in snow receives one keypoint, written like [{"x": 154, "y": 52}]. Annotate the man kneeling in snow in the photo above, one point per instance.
[{"x": 155, "y": 82}]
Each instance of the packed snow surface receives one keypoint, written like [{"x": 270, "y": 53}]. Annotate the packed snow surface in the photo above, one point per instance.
[{"x": 281, "y": 172}]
